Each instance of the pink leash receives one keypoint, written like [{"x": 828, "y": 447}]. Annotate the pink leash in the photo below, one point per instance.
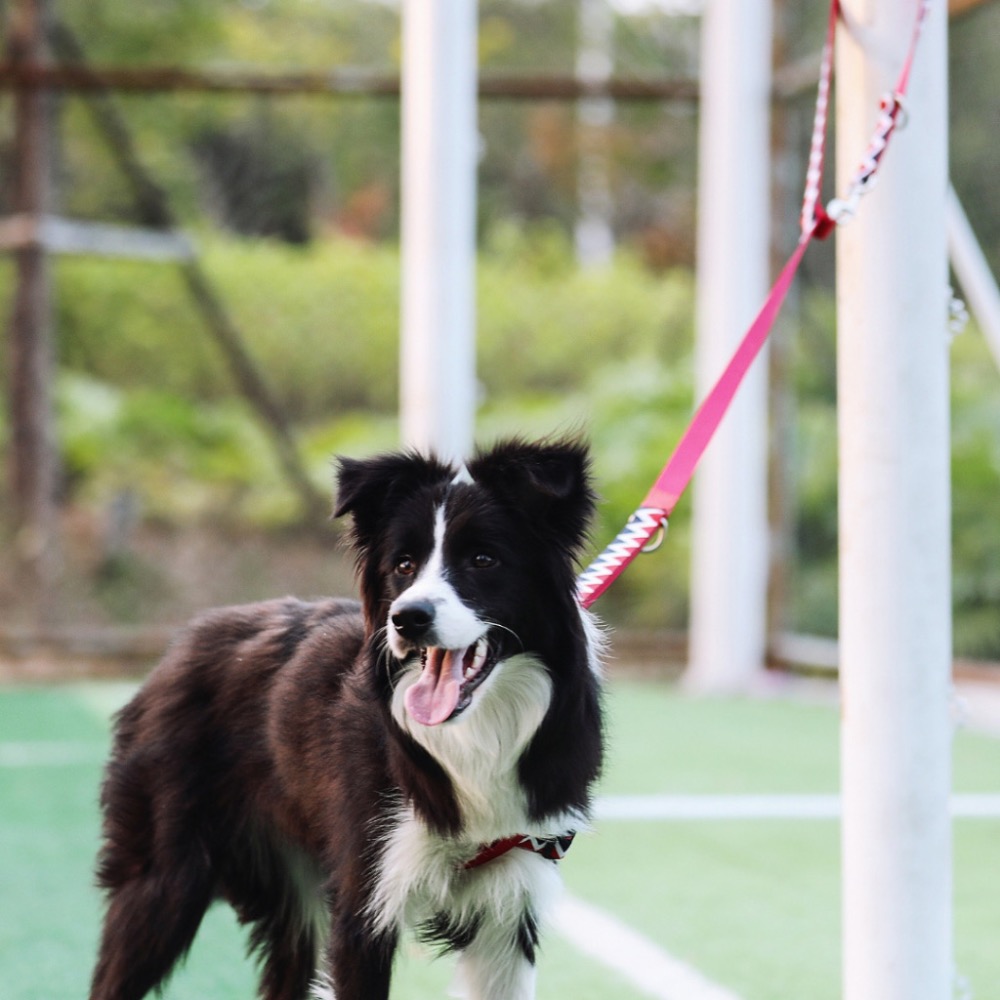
[{"x": 660, "y": 501}]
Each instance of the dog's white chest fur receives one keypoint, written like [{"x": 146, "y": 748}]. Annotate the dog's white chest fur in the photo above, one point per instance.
[
  {"x": 480, "y": 751},
  {"x": 422, "y": 879},
  {"x": 421, "y": 876}
]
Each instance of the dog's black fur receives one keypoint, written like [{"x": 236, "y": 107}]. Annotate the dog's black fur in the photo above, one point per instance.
[{"x": 272, "y": 761}]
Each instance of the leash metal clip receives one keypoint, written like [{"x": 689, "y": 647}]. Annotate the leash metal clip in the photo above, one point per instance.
[{"x": 657, "y": 540}]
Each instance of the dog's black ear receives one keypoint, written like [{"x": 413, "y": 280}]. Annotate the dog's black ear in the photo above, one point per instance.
[
  {"x": 367, "y": 487},
  {"x": 550, "y": 482}
]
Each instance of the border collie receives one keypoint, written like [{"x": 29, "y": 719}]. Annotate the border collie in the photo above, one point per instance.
[{"x": 339, "y": 772}]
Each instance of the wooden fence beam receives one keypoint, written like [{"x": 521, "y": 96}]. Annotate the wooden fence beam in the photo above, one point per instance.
[{"x": 33, "y": 465}]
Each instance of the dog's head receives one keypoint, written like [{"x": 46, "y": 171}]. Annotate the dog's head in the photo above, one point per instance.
[{"x": 464, "y": 568}]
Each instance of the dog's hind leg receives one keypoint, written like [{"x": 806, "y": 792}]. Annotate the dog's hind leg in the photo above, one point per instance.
[
  {"x": 278, "y": 891},
  {"x": 289, "y": 966},
  {"x": 159, "y": 878},
  {"x": 151, "y": 920}
]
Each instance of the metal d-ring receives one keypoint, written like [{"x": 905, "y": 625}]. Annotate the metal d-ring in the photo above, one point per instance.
[
  {"x": 657, "y": 540},
  {"x": 902, "y": 110}
]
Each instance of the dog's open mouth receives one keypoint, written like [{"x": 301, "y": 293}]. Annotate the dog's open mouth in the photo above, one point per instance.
[{"x": 448, "y": 678}]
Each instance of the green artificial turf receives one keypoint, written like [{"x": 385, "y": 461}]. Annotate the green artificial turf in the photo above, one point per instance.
[{"x": 754, "y": 904}]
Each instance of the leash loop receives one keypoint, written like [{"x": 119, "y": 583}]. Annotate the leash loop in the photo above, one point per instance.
[{"x": 627, "y": 544}]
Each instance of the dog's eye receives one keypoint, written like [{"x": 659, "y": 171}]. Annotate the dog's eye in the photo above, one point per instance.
[
  {"x": 483, "y": 560},
  {"x": 405, "y": 566}
]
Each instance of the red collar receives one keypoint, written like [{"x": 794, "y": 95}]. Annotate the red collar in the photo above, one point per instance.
[{"x": 553, "y": 848}]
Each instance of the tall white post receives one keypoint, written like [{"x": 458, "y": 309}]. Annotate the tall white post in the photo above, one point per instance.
[
  {"x": 729, "y": 547},
  {"x": 437, "y": 357},
  {"x": 593, "y": 235},
  {"x": 895, "y": 609}
]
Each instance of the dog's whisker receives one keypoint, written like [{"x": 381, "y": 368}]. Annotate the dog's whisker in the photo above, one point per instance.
[
  {"x": 380, "y": 640},
  {"x": 505, "y": 628}
]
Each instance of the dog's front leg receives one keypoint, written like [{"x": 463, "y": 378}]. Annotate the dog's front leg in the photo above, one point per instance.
[
  {"x": 499, "y": 964},
  {"x": 359, "y": 962}
]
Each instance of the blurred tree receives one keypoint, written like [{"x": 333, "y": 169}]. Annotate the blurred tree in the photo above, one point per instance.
[
  {"x": 259, "y": 177},
  {"x": 345, "y": 152},
  {"x": 164, "y": 31}
]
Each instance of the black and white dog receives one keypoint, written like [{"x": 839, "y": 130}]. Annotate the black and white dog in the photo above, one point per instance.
[{"x": 339, "y": 772}]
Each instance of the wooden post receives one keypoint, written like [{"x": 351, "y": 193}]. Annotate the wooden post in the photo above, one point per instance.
[{"x": 32, "y": 456}]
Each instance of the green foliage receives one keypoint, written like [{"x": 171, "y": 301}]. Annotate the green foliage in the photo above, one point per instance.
[
  {"x": 178, "y": 31},
  {"x": 639, "y": 411},
  {"x": 182, "y": 459},
  {"x": 545, "y": 324},
  {"x": 975, "y": 485},
  {"x": 147, "y": 405},
  {"x": 322, "y": 321},
  {"x": 975, "y": 492},
  {"x": 974, "y": 77},
  {"x": 529, "y": 151}
]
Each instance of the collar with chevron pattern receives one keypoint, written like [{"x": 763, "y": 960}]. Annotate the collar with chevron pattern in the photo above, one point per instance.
[{"x": 553, "y": 848}]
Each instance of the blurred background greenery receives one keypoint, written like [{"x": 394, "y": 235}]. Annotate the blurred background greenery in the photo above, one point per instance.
[{"x": 293, "y": 203}]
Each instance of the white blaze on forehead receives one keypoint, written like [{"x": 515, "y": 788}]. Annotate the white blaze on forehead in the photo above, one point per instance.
[
  {"x": 432, "y": 572},
  {"x": 456, "y": 626}
]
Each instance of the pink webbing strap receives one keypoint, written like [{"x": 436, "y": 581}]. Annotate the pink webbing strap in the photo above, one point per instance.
[
  {"x": 676, "y": 474},
  {"x": 660, "y": 501}
]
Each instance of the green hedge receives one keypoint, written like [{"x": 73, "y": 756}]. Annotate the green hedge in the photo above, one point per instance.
[
  {"x": 322, "y": 321},
  {"x": 146, "y": 404}
]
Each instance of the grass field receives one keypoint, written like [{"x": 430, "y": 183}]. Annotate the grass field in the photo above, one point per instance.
[{"x": 753, "y": 904}]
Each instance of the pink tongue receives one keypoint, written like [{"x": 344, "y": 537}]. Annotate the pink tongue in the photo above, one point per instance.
[{"x": 433, "y": 698}]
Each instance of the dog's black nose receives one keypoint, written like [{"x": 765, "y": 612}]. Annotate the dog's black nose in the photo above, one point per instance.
[{"x": 414, "y": 621}]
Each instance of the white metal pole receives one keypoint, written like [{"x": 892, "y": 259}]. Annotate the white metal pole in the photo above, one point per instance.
[
  {"x": 593, "y": 235},
  {"x": 895, "y": 624},
  {"x": 437, "y": 357},
  {"x": 729, "y": 548}
]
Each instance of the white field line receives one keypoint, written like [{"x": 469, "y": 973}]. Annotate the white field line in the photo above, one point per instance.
[
  {"x": 608, "y": 808},
  {"x": 644, "y": 965},
  {"x": 736, "y": 807},
  {"x": 105, "y": 698},
  {"x": 50, "y": 754}
]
